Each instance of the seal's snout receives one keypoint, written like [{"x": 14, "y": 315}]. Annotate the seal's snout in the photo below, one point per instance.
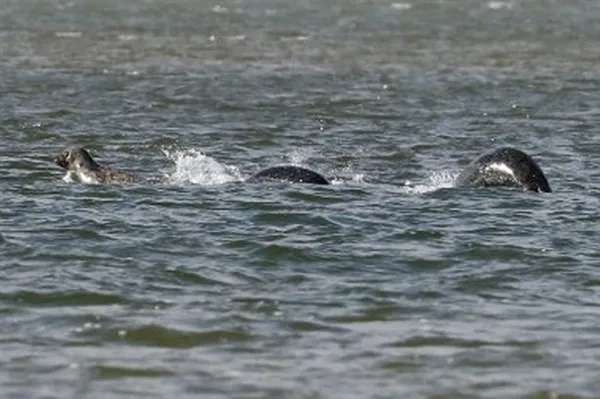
[{"x": 61, "y": 161}]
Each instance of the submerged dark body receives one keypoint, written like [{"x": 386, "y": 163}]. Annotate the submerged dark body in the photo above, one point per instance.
[
  {"x": 504, "y": 167},
  {"x": 288, "y": 173}
]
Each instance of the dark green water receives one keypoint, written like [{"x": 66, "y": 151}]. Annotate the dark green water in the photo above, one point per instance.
[{"x": 388, "y": 284}]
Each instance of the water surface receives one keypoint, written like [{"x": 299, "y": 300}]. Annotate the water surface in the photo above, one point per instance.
[{"x": 389, "y": 283}]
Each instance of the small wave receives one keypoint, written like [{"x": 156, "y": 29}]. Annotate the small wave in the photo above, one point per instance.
[
  {"x": 435, "y": 181},
  {"x": 497, "y": 5},
  {"x": 192, "y": 166},
  {"x": 68, "y": 34},
  {"x": 127, "y": 37},
  {"x": 401, "y": 6},
  {"x": 218, "y": 9},
  {"x": 158, "y": 336}
]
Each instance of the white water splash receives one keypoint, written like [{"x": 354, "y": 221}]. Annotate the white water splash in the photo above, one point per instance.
[
  {"x": 502, "y": 168},
  {"x": 435, "y": 181},
  {"x": 68, "y": 178},
  {"x": 192, "y": 166},
  {"x": 299, "y": 155},
  {"x": 357, "y": 178}
]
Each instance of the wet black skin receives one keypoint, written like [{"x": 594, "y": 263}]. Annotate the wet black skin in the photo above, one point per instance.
[
  {"x": 526, "y": 173},
  {"x": 288, "y": 173}
]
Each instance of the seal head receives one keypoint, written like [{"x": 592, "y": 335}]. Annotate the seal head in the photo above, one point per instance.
[
  {"x": 504, "y": 166},
  {"x": 81, "y": 167},
  {"x": 289, "y": 174}
]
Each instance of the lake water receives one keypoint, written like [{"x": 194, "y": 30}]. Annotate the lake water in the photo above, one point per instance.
[{"x": 390, "y": 283}]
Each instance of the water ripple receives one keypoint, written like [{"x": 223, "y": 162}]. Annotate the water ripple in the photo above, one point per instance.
[{"x": 390, "y": 282}]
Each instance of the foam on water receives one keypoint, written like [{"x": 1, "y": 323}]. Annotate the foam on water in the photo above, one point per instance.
[
  {"x": 433, "y": 182},
  {"x": 356, "y": 178},
  {"x": 192, "y": 166}
]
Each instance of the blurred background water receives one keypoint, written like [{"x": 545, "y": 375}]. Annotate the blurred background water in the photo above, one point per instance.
[{"x": 390, "y": 283}]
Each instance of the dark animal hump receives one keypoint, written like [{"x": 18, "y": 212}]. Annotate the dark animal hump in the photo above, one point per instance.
[
  {"x": 288, "y": 173},
  {"x": 504, "y": 167}
]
